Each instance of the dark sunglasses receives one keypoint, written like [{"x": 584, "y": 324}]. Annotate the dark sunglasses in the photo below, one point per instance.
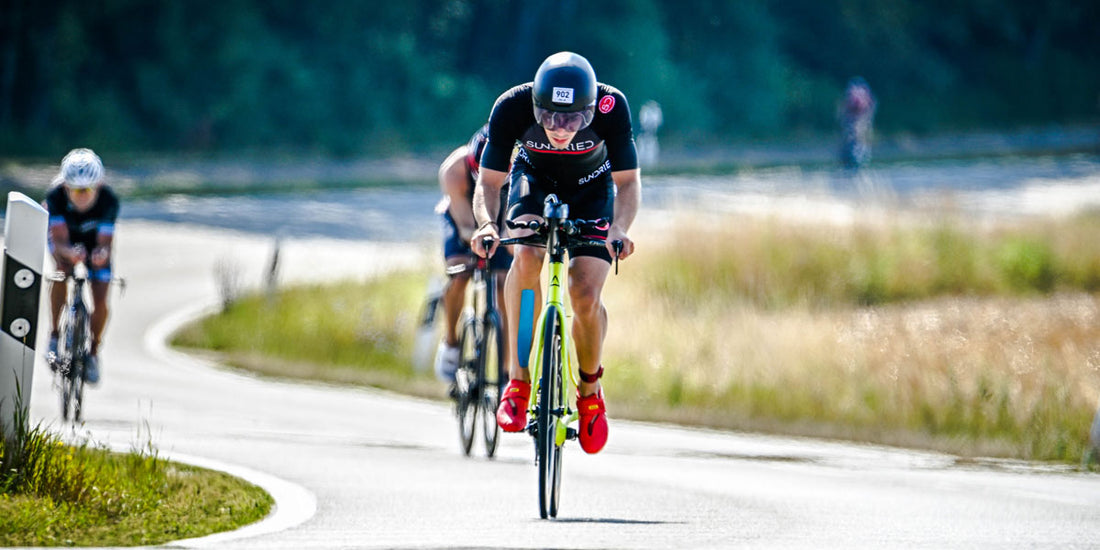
[{"x": 570, "y": 122}]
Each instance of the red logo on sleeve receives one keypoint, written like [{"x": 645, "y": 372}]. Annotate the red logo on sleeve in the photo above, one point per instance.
[{"x": 607, "y": 103}]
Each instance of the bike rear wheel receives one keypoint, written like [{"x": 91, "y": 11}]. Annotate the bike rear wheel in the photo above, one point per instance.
[
  {"x": 468, "y": 384},
  {"x": 492, "y": 380},
  {"x": 550, "y": 408}
]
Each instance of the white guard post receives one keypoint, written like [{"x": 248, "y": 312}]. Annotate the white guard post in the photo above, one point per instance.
[{"x": 24, "y": 254}]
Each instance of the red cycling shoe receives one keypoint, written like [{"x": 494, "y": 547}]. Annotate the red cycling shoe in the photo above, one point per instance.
[
  {"x": 512, "y": 412},
  {"x": 593, "y": 424}
]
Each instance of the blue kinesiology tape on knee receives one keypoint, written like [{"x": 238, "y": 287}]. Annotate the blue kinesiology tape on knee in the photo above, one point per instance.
[{"x": 526, "y": 325}]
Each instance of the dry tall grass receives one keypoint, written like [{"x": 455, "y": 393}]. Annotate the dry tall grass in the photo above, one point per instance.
[
  {"x": 760, "y": 326},
  {"x": 924, "y": 331}
]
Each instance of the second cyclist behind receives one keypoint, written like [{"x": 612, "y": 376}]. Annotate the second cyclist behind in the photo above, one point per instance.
[
  {"x": 457, "y": 176},
  {"x": 574, "y": 140}
]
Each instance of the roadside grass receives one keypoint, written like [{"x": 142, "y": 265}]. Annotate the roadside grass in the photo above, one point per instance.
[
  {"x": 345, "y": 333},
  {"x": 776, "y": 264},
  {"x": 57, "y": 494},
  {"x": 941, "y": 333}
]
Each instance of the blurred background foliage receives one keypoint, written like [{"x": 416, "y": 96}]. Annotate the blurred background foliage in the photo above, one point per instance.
[{"x": 349, "y": 78}]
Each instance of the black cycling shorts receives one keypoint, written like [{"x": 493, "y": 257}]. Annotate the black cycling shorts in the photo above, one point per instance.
[{"x": 595, "y": 199}]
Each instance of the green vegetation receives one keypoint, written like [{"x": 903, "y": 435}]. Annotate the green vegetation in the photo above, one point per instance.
[
  {"x": 369, "y": 78},
  {"x": 344, "y": 333},
  {"x": 981, "y": 341},
  {"x": 56, "y": 494}
]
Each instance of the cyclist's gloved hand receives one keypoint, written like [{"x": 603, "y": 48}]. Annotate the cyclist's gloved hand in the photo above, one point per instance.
[
  {"x": 100, "y": 256},
  {"x": 616, "y": 233},
  {"x": 488, "y": 230},
  {"x": 76, "y": 254}
]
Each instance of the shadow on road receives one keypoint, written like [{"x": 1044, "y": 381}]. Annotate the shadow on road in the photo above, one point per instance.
[{"x": 616, "y": 521}]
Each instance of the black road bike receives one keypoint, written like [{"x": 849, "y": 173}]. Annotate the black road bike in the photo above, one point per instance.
[
  {"x": 74, "y": 343},
  {"x": 480, "y": 376}
]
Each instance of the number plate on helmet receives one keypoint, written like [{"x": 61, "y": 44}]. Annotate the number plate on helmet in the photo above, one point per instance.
[{"x": 563, "y": 95}]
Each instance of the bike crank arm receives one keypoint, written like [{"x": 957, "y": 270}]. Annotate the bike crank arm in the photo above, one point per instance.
[{"x": 562, "y": 429}]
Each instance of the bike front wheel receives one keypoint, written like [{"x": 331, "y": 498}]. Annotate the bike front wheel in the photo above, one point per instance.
[
  {"x": 70, "y": 364},
  {"x": 76, "y": 379},
  {"x": 492, "y": 380},
  {"x": 467, "y": 384},
  {"x": 550, "y": 409},
  {"x": 71, "y": 374},
  {"x": 66, "y": 387}
]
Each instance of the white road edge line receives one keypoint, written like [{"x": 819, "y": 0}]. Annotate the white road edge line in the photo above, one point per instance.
[{"x": 294, "y": 504}]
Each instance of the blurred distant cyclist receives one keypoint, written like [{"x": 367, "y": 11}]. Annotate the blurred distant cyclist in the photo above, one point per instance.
[
  {"x": 856, "y": 114},
  {"x": 82, "y": 212},
  {"x": 575, "y": 140},
  {"x": 457, "y": 176}
]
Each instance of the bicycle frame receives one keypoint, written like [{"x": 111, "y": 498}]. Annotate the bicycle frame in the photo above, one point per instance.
[
  {"x": 555, "y": 296},
  {"x": 551, "y": 410},
  {"x": 73, "y": 343},
  {"x": 558, "y": 239}
]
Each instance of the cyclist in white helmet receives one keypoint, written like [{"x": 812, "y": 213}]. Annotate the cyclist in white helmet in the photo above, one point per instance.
[{"x": 82, "y": 212}]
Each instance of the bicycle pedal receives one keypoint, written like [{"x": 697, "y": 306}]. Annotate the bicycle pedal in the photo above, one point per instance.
[{"x": 570, "y": 433}]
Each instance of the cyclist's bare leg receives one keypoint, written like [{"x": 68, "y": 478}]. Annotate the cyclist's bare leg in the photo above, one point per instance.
[
  {"x": 586, "y": 279},
  {"x": 499, "y": 280},
  {"x": 59, "y": 293},
  {"x": 524, "y": 275},
  {"x": 99, "y": 313},
  {"x": 454, "y": 296}
]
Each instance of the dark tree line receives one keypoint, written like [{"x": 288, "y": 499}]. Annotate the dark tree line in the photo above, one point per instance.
[{"x": 372, "y": 78}]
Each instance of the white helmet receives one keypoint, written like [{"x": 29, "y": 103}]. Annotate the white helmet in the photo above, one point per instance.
[{"x": 81, "y": 169}]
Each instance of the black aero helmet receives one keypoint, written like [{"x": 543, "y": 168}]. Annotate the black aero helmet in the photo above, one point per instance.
[{"x": 564, "y": 83}]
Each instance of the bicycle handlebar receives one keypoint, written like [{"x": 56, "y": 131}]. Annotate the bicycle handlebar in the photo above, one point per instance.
[
  {"x": 571, "y": 227},
  {"x": 539, "y": 240},
  {"x": 61, "y": 276},
  {"x": 476, "y": 263}
]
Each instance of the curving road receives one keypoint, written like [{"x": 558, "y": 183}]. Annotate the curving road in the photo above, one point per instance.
[{"x": 357, "y": 468}]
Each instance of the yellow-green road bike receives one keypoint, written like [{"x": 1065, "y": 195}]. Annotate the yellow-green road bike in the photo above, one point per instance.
[{"x": 553, "y": 375}]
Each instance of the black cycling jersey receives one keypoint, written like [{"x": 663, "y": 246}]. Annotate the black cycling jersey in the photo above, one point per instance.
[
  {"x": 473, "y": 155},
  {"x": 85, "y": 226},
  {"x": 604, "y": 146}
]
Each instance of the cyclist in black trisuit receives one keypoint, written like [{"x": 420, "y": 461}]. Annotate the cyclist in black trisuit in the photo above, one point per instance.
[
  {"x": 82, "y": 212},
  {"x": 457, "y": 176},
  {"x": 574, "y": 140}
]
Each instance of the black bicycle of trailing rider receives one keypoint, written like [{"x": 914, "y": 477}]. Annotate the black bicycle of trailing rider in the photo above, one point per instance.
[
  {"x": 74, "y": 342},
  {"x": 553, "y": 376},
  {"x": 480, "y": 376}
]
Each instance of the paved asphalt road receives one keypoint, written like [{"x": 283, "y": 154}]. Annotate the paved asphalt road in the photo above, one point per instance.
[{"x": 356, "y": 468}]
